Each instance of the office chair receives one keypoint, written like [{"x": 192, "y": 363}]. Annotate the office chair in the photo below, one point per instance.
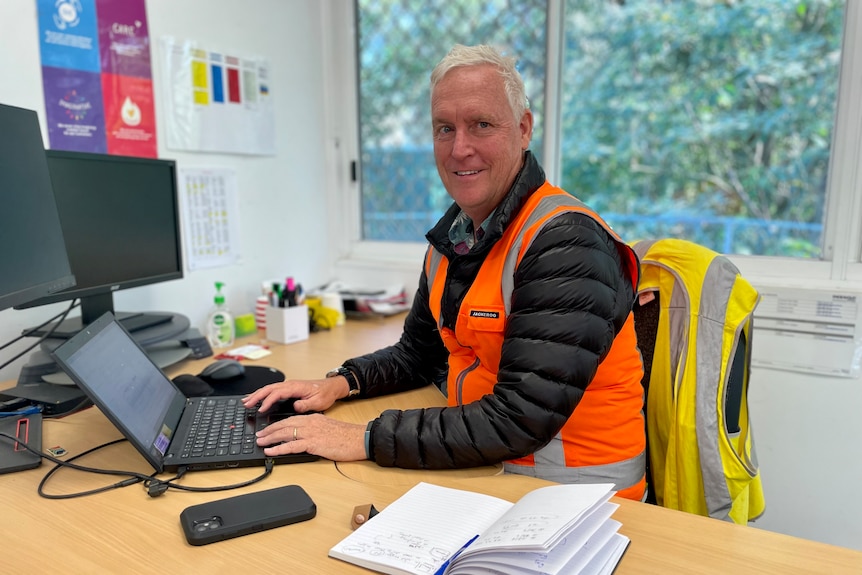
[{"x": 693, "y": 321}]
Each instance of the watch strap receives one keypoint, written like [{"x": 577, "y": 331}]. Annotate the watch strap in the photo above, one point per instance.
[{"x": 352, "y": 382}]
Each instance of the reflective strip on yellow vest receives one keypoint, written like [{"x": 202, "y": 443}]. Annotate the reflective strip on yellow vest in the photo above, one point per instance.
[
  {"x": 604, "y": 440},
  {"x": 696, "y": 465}
]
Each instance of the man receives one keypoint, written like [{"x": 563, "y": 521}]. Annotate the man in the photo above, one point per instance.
[{"x": 524, "y": 307}]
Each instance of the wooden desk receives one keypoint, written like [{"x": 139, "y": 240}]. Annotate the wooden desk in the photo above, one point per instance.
[{"x": 125, "y": 531}]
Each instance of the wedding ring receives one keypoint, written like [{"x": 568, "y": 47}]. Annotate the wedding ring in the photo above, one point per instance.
[{"x": 294, "y": 434}]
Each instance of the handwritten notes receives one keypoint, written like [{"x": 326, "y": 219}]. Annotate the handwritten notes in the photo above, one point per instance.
[{"x": 555, "y": 529}]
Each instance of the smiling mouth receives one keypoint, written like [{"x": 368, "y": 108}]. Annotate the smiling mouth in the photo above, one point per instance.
[{"x": 467, "y": 173}]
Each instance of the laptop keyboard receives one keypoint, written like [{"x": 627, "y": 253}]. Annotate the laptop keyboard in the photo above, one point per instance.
[{"x": 221, "y": 426}]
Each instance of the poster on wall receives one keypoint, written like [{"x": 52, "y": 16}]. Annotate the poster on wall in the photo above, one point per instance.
[
  {"x": 216, "y": 101},
  {"x": 97, "y": 76}
]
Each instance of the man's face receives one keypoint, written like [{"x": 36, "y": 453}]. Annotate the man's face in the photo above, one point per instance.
[{"x": 478, "y": 144}]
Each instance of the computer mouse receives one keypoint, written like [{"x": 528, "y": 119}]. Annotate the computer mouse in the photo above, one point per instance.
[{"x": 223, "y": 369}]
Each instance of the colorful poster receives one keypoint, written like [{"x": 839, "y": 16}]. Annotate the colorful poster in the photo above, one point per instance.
[
  {"x": 217, "y": 102},
  {"x": 73, "y": 106},
  {"x": 68, "y": 34},
  {"x": 130, "y": 118},
  {"x": 97, "y": 76}
]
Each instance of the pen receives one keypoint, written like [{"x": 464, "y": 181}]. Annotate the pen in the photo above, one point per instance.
[
  {"x": 446, "y": 563},
  {"x": 289, "y": 292}
]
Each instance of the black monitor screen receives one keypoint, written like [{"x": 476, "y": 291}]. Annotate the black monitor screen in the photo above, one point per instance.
[
  {"x": 121, "y": 223},
  {"x": 33, "y": 262}
]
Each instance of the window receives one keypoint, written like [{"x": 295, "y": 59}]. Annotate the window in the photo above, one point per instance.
[
  {"x": 719, "y": 122},
  {"x": 400, "y": 42},
  {"x": 710, "y": 121}
]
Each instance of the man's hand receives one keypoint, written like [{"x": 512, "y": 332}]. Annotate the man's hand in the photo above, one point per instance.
[
  {"x": 315, "y": 434},
  {"x": 312, "y": 395}
]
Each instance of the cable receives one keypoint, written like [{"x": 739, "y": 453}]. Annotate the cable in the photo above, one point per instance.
[
  {"x": 40, "y": 326},
  {"x": 25, "y": 411},
  {"x": 154, "y": 487},
  {"x": 132, "y": 477},
  {"x": 43, "y": 337}
]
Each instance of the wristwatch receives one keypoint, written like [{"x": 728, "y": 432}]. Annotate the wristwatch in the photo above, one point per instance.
[{"x": 348, "y": 375}]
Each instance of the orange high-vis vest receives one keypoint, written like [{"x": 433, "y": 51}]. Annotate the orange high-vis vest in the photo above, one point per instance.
[{"x": 604, "y": 439}]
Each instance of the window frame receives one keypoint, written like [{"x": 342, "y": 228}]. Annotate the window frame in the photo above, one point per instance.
[{"x": 839, "y": 267}]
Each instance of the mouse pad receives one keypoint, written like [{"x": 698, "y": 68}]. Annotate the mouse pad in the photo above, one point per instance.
[{"x": 255, "y": 377}]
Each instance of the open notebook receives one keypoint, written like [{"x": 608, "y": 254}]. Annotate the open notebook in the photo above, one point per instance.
[{"x": 434, "y": 530}]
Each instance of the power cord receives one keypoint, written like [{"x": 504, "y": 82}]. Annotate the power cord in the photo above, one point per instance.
[
  {"x": 132, "y": 477},
  {"x": 60, "y": 317},
  {"x": 154, "y": 487}
]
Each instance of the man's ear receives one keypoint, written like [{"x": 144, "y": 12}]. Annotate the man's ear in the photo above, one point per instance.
[{"x": 526, "y": 126}]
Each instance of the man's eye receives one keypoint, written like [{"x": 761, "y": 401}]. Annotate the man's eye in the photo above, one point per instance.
[{"x": 484, "y": 125}]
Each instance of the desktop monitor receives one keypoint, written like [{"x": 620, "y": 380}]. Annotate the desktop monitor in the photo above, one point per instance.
[
  {"x": 120, "y": 219},
  {"x": 34, "y": 263}
]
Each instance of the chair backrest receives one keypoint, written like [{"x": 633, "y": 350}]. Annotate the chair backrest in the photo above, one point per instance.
[{"x": 693, "y": 322}]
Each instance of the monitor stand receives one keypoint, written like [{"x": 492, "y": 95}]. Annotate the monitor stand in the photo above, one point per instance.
[{"x": 131, "y": 321}]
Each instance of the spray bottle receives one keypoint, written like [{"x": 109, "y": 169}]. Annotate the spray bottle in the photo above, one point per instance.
[{"x": 220, "y": 328}]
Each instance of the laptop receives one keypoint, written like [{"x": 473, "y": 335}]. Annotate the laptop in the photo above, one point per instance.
[{"x": 164, "y": 425}]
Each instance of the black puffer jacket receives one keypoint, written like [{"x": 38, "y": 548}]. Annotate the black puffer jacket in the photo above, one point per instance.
[{"x": 571, "y": 297}]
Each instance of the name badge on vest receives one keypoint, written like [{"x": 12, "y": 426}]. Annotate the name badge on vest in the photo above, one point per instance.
[{"x": 490, "y": 318}]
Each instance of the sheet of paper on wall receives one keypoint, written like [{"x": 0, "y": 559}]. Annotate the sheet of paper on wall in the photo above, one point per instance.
[
  {"x": 216, "y": 101},
  {"x": 210, "y": 217},
  {"x": 808, "y": 331}
]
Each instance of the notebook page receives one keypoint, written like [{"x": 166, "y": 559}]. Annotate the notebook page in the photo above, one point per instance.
[
  {"x": 541, "y": 516},
  {"x": 420, "y": 530},
  {"x": 606, "y": 560},
  {"x": 576, "y": 549}
]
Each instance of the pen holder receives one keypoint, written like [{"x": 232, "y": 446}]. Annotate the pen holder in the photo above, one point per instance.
[{"x": 287, "y": 324}]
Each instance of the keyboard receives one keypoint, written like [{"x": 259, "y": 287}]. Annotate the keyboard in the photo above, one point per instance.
[{"x": 221, "y": 426}]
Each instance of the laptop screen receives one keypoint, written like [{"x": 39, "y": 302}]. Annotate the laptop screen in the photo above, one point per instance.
[{"x": 125, "y": 384}]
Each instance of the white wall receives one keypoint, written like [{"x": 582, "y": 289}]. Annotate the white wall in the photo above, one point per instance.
[
  {"x": 283, "y": 203},
  {"x": 808, "y": 432},
  {"x": 807, "y": 429}
]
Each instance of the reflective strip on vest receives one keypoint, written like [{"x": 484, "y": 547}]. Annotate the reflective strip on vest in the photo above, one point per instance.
[
  {"x": 545, "y": 207},
  {"x": 727, "y": 465},
  {"x": 433, "y": 260},
  {"x": 550, "y": 464}
]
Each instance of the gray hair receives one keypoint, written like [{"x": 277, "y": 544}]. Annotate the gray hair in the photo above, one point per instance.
[{"x": 460, "y": 56}]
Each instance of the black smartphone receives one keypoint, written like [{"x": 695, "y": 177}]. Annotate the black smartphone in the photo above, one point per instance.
[{"x": 243, "y": 514}]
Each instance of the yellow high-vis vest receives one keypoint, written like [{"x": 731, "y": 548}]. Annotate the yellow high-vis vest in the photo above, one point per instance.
[{"x": 697, "y": 464}]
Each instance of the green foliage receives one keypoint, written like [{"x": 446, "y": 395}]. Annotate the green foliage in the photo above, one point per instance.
[{"x": 716, "y": 108}]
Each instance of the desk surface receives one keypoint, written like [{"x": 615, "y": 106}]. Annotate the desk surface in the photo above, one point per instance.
[{"x": 125, "y": 531}]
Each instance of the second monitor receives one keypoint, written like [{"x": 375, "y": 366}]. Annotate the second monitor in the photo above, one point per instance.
[{"x": 120, "y": 219}]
